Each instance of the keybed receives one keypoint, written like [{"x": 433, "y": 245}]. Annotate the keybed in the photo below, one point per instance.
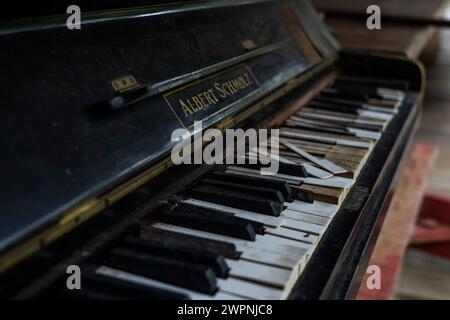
[{"x": 240, "y": 235}]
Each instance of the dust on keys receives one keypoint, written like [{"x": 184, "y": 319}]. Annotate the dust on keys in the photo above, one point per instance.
[
  {"x": 238, "y": 235},
  {"x": 341, "y": 125}
]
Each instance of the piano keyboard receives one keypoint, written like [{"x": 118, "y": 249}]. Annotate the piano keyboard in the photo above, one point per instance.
[{"x": 239, "y": 235}]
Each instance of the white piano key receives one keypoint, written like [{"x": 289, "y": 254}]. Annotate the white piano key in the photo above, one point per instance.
[
  {"x": 281, "y": 246},
  {"x": 316, "y": 172},
  {"x": 317, "y": 207},
  {"x": 379, "y": 109},
  {"x": 266, "y": 220},
  {"x": 284, "y": 243},
  {"x": 307, "y": 217},
  {"x": 355, "y": 144},
  {"x": 284, "y": 160},
  {"x": 250, "y": 290},
  {"x": 258, "y": 153},
  {"x": 380, "y": 123},
  {"x": 303, "y": 226},
  {"x": 327, "y": 140},
  {"x": 199, "y": 233},
  {"x": 374, "y": 115},
  {"x": 365, "y": 133},
  {"x": 333, "y": 182},
  {"x": 348, "y": 121},
  {"x": 293, "y": 235},
  {"x": 144, "y": 281},
  {"x": 325, "y": 164},
  {"x": 391, "y": 94},
  {"x": 311, "y": 170},
  {"x": 249, "y": 215},
  {"x": 255, "y": 173},
  {"x": 275, "y": 259},
  {"x": 330, "y": 166},
  {"x": 259, "y": 273},
  {"x": 222, "y": 295}
]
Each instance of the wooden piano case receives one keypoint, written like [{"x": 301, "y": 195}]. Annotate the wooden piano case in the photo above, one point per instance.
[{"x": 78, "y": 178}]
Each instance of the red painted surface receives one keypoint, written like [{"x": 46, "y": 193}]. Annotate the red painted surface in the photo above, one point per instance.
[
  {"x": 436, "y": 207},
  {"x": 399, "y": 224},
  {"x": 427, "y": 235},
  {"x": 389, "y": 273},
  {"x": 434, "y": 237}
]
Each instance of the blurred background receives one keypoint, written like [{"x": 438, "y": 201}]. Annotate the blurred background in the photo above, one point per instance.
[{"x": 416, "y": 29}]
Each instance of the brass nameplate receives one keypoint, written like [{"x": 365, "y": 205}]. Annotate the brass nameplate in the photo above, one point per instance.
[
  {"x": 248, "y": 45},
  {"x": 207, "y": 97},
  {"x": 125, "y": 83}
]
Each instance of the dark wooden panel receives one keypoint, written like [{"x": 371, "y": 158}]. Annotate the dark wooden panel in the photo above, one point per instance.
[{"x": 56, "y": 152}]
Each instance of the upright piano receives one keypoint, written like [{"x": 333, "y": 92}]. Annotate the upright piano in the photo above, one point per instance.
[{"x": 86, "y": 170}]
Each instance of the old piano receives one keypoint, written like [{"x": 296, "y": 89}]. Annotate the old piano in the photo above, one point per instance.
[{"x": 86, "y": 174}]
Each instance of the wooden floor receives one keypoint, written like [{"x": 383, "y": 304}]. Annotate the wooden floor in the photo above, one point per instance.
[{"x": 424, "y": 276}]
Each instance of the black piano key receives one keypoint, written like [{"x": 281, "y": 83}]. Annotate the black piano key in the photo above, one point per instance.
[
  {"x": 358, "y": 96},
  {"x": 283, "y": 168},
  {"x": 228, "y": 250},
  {"x": 305, "y": 195},
  {"x": 355, "y": 88},
  {"x": 269, "y": 193},
  {"x": 179, "y": 251},
  {"x": 345, "y": 103},
  {"x": 350, "y": 104},
  {"x": 180, "y": 273},
  {"x": 221, "y": 224},
  {"x": 319, "y": 128},
  {"x": 100, "y": 286},
  {"x": 283, "y": 187},
  {"x": 240, "y": 200},
  {"x": 257, "y": 226},
  {"x": 291, "y": 169},
  {"x": 332, "y": 107}
]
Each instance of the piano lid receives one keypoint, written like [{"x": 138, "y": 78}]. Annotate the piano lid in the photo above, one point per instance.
[
  {"x": 42, "y": 8},
  {"x": 58, "y": 149}
]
